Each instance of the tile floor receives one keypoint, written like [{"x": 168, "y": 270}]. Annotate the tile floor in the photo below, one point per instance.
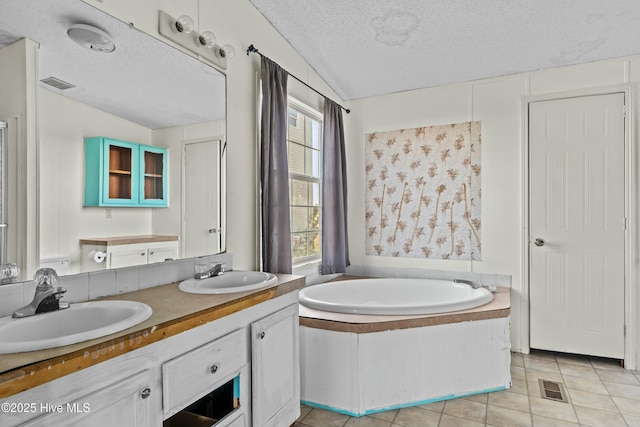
[{"x": 600, "y": 392}]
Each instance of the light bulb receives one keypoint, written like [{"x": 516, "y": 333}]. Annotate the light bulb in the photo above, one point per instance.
[
  {"x": 184, "y": 24},
  {"x": 227, "y": 51},
  {"x": 207, "y": 39}
]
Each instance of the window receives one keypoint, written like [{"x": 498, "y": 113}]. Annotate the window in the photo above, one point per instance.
[
  {"x": 304, "y": 139},
  {"x": 293, "y": 117}
]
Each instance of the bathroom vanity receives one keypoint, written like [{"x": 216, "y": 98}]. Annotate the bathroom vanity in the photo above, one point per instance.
[
  {"x": 127, "y": 251},
  {"x": 236, "y": 353}
]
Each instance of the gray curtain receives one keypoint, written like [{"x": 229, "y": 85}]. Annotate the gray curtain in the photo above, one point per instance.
[
  {"x": 335, "y": 247},
  {"x": 276, "y": 229}
]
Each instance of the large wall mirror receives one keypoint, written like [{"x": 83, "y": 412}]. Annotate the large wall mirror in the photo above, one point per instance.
[{"x": 144, "y": 92}]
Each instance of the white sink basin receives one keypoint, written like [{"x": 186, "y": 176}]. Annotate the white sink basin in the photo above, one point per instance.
[
  {"x": 80, "y": 322},
  {"x": 230, "y": 281}
]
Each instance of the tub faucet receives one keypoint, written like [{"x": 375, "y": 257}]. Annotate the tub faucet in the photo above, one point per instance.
[
  {"x": 472, "y": 283},
  {"x": 47, "y": 296},
  {"x": 216, "y": 270}
]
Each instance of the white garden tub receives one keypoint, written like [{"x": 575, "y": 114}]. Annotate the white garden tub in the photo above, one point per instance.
[
  {"x": 356, "y": 362},
  {"x": 388, "y": 296}
]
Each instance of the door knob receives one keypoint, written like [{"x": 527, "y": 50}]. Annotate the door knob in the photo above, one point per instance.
[
  {"x": 215, "y": 230},
  {"x": 539, "y": 242}
]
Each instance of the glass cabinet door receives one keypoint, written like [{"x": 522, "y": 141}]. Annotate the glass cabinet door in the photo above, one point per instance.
[
  {"x": 153, "y": 179},
  {"x": 121, "y": 172}
]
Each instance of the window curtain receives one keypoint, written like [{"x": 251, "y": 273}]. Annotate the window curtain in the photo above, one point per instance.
[
  {"x": 276, "y": 229},
  {"x": 335, "y": 250}
]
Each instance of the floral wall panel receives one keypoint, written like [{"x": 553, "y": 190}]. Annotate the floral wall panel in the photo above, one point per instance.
[{"x": 423, "y": 192}]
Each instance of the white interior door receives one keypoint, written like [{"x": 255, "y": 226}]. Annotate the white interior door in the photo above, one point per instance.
[
  {"x": 577, "y": 199},
  {"x": 202, "y": 198}
]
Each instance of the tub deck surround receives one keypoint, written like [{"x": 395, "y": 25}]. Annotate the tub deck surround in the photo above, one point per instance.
[
  {"x": 173, "y": 312},
  {"x": 362, "y": 364},
  {"x": 367, "y": 323}
]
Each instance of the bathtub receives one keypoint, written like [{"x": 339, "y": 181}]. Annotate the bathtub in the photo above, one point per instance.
[
  {"x": 359, "y": 364},
  {"x": 387, "y": 296}
]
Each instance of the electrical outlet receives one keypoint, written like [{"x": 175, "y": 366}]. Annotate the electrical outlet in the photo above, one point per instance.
[{"x": 107, "y": 213}]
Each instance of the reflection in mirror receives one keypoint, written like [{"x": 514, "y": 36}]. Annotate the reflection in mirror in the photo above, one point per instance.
[{"x": 143, "y": 92}]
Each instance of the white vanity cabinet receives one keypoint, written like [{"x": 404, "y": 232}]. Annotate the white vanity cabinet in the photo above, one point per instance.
[
  {"x": 266, "y": 348},
  {"x": 140, "y": 254},
  {"x": 124, "y": 403},
  {"x": 249, "y": 358},
  {"x": 115, "y": 393},
  {"x": 275, "y": 361},
  {"x": 127, "y": 251}
]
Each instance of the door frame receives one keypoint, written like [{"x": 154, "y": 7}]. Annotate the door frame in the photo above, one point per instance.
[{"x": 631, "y": 273}]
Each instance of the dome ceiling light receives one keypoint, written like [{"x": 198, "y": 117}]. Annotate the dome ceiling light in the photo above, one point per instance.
[{"x": 91, "y": 37}]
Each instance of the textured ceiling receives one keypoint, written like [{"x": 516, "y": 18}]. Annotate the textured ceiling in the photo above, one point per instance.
[
  {"x": 144, "y": 80},
  {"x": 363, "y": 48}
]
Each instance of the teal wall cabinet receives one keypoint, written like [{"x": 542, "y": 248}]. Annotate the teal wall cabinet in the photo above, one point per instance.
[{"x": 124, "y": 174}]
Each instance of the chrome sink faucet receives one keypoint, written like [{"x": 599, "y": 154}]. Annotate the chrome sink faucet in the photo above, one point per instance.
[
  {"x": 472, "y": 283},
  {"x": 47, "y": 296},
  {"x": 216, "y": 270}
]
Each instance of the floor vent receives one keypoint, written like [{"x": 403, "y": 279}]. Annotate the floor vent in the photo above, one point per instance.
[{"x": 552, "y": 390}]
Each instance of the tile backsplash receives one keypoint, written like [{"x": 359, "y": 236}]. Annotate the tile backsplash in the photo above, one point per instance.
[{"x": 84, "y": 286}]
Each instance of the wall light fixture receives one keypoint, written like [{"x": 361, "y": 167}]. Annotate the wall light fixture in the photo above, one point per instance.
[
  {"x": 184, "y": 24},
  {"x": 182, "y": 31},
  {"x": 207, "y": 39},
  {"x": 227, "y": 51}
]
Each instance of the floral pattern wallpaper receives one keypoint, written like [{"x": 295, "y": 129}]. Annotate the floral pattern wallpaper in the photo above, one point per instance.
[{"x": 423, "y": 192}]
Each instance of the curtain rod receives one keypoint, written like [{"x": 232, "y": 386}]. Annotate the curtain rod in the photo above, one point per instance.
[{"x": 252, "y": 49}]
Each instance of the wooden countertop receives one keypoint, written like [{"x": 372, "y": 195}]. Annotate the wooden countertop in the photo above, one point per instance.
[
  {"x": 127, "y": 240},
  {"x": 174, "y": 312}
]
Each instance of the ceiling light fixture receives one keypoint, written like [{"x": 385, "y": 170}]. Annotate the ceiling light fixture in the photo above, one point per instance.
[
  {"x": 91, "y": 37},
  {"x": 182, "y": 32}
]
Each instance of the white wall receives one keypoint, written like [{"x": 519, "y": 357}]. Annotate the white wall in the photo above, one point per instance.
[
  {"x": 498, "y": 104},
  {"x": 64, "y": 123}
]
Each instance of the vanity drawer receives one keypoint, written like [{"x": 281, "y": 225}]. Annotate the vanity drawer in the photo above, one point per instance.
[{"x": 192, "y": 375}]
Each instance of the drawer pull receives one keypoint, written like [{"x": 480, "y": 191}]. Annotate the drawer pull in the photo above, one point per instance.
[
  {"x": 262, "y": 335},
  {"x": 214, "y": 369},
  {"x": 145, "y": 393}
]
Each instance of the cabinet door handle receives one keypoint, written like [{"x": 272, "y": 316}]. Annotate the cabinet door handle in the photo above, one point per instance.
[
  {"x": 214, "y": 368},
  {"x": 145, "y": 393},
  {"x": 262, "y": 334},
  {"x": 142, "y": 254},
  {"x": 151, "y": 253}
]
